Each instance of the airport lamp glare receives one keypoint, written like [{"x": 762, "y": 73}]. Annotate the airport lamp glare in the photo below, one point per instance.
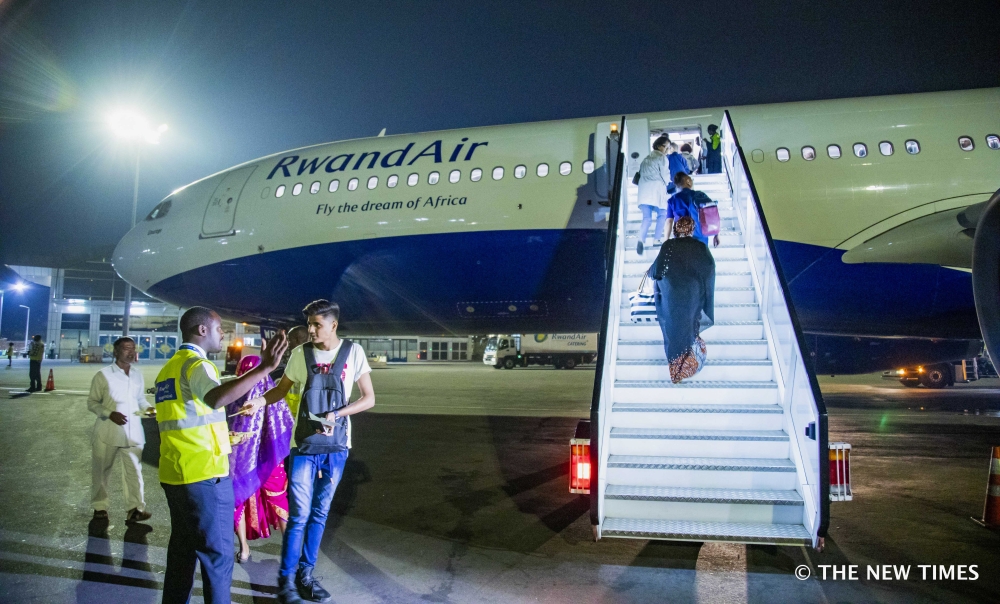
[
  {"x": 132, "y": 126},
  {"x": 19, "y": 287}
]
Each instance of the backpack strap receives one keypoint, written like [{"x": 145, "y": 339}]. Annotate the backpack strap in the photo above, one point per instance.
[{"x": 343, "y": 355}]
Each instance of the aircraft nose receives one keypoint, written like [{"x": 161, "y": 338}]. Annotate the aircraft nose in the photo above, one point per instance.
[{"x": 127, "y": 258}]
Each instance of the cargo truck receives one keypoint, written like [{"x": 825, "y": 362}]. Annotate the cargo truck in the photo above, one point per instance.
[{"x": 561, "y": 350}]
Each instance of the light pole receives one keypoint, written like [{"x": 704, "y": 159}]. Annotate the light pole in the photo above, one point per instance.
[
  {"x": 131, "y": 126},
  {"x": 27, "y": 323}
]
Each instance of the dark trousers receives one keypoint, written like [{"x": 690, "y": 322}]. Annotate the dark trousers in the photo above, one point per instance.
[
  {"x": 35, "y": 373},
  {"x": 201, "y": 529}
]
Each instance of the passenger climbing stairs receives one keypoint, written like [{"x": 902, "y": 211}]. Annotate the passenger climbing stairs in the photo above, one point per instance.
[{"x": 725, "y": 455}]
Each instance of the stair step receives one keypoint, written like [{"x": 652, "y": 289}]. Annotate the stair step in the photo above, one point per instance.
[
  {"x": 704, "y": 505},
  {"x": 717, "y": 349},
  {"x": 714, "y": 370},
  {"x": 722, "y": 330},
  {"x": 702, "y": 472},
  {"x": 692, "y": 391},
  {"x": 697, "y": 416},
  {"x": 712, "y": 443},
  {"x": 630, "y": 283},
  {"x": 694, "y": 495},
  {"x": 723, "y": 251},
  {"x": 679, "y": 530}
]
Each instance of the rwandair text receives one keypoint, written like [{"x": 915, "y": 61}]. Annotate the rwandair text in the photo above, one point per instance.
[{"x": 392, "y": 159}]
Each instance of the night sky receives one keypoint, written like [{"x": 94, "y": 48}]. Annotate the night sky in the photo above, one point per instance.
[{"x": 236, "y": 81}]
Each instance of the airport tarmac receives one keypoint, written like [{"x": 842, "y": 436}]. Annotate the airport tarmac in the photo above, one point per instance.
[{"x": 456, "y": 491}]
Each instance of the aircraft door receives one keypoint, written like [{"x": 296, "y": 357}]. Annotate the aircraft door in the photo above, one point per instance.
[
  {"x": 606, "y": 146},
  {"x": 220, "y": 215}
]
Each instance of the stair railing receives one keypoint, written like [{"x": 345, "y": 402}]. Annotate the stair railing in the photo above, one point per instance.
[
  {"x": 798, "y": 390},
  {"x": 607, "y": 343}
]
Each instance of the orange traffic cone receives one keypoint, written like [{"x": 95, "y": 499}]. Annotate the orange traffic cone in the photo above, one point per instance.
[
  {"x": 991, "y": 513},
  {"x": 51, "y": 384}
]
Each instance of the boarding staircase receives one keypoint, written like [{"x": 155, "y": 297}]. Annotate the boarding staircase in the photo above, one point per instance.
[{"x": 733, "y": 453}]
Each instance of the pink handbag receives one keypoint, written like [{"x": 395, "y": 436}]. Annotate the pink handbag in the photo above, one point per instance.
[{"x": 708, "y": 218}]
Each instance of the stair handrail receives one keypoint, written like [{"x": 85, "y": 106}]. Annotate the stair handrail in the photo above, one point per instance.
[
  {"x": 603, "y": 381},
  {"x": 737, "y": 166}
]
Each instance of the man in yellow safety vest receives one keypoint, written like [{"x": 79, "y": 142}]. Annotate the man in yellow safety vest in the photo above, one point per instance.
[{"x": 194, "y": 456}]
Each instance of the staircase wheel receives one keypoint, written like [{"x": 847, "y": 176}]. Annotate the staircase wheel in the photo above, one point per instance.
[
  {"x": 508, "y": 363},
  {"x": 569, "y": 363},
  {"x": 935, "y": 376}
]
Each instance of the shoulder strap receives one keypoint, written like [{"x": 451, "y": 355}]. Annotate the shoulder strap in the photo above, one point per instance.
[
  {"x": 342, "y": 356},
  {"x": 307, "y": 352}
]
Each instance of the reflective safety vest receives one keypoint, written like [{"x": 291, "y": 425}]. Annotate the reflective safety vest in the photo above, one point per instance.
[{"x": 194, "y": 438}]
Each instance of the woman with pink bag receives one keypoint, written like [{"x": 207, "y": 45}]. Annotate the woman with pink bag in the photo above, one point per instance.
[{"x": 700, "y": 207}]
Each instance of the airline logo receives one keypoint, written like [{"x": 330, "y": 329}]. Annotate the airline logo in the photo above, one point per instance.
[{"x": 296, "y": 165}]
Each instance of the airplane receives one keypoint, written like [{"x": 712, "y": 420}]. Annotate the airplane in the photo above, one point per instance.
[{"x": 872, "y": 204}]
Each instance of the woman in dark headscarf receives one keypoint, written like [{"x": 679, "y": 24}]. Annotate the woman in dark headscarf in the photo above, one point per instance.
[
  {"x": 684, "y": 274},
  {"x": 260, "y": 442}
]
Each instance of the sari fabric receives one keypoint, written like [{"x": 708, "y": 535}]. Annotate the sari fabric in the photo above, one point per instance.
[
  {"x": 684, "y": 294},
  {"x": 256, "y": 463}
]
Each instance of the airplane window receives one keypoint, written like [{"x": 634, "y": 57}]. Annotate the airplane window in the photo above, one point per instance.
[
  {"x": 373, "y": 182},
  {"x": 454, "y": 176},
  {"x": 885, "y": 148},
  {"x": 433, "y": 178},
  {"x": 833, "y": 151},
  {"x": 279, "y": 191},
  {"x": 860, "y": 150},
  {"x": 392, "y": 181},
  {"x": 993, "y": 141},
  {"x": 808, "y": 153},
  {"x": 314, "y": 188},
  {"x": 588, "y": 167},
  {"x": 498, "y": 173},
  {"x": 334, "y": 185},
  {"x": 412, "y": 180},
  {"x": 160, "y": 210},
  {"x": 965, "y": 143},
  {"x": 912, "y": 147},
  {"x": 782, "y": 154},
  {"x": 352, "y": 184},
  {"x": 297, "y": 188},
  {"x": 520, "y": 171},
  {"x": 542, "y": 170},
  {"x": 476, "y": 175},
  {"x": 565, "y": 168}
]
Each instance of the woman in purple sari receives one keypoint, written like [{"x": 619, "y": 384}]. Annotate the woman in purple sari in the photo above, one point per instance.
[{"x": 260, "y": 444}]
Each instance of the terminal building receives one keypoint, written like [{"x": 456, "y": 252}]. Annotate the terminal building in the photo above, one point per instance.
[{"x": 86, "y": 304}]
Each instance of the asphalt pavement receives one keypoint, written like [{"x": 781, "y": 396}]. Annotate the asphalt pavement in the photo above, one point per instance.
[{"x": 456, "y": 491}]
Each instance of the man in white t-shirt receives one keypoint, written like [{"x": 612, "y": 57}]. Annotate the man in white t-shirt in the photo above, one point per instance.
[{"x": 313, "y": 477}]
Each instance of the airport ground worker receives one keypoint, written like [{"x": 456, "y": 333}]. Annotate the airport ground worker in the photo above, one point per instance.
[
  {"x": 36, "y": 352},
  {"x": 117, "y": 398},
  {"x": 194, "y": 456}
]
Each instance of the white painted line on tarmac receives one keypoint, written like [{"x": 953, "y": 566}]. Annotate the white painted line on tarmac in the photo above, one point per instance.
[{"x": 56, "y": 391}]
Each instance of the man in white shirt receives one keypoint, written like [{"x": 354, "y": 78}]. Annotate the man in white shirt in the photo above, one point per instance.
[
  {"x": 117, "y": 399},
  {"x": 315, "y": 465}
]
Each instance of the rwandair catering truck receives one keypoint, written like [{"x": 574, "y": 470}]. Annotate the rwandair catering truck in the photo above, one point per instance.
[{"x": 561, "y": 350}]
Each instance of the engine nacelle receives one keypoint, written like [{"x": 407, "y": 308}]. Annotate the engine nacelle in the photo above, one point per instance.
[{"x": 986, "y": 274}]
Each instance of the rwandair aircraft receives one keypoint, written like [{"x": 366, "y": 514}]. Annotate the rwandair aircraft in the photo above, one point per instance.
[{"x": 872, "y": 204}]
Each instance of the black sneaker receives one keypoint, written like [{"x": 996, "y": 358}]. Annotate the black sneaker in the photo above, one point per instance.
[
  {"x": 134, "y": 515},
  {"x": 309, "y": 587},
  {"x": 287, "y": 593},
  {"x": 638, "y": 248}
]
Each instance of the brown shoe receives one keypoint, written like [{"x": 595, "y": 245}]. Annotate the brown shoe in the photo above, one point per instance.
[
  {"x": 134, "y": 515},
  {"x": 100, "y": 515}
]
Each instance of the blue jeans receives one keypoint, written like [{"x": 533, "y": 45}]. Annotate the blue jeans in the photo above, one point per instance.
[
  {"x": 312, "y": 481},
  {"x": 647, "y": 218}
]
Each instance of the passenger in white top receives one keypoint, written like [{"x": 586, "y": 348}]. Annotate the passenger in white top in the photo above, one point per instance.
[
  {"x": 654, "y": 178},
  {"x": 117, "y": 398}
]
